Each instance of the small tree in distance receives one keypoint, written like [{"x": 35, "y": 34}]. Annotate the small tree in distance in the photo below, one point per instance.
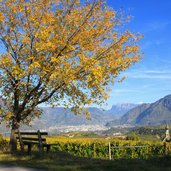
[{"x": 56, "y": 51}]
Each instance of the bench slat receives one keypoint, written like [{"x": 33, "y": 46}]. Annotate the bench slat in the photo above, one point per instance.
[
  {"x": 32, "y": 133},
  {"x": 28, "y": 142},
  {"x": 31, "y": 138}
]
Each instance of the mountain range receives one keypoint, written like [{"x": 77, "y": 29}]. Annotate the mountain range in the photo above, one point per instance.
[
  {"x": 155, "y": 113},
  {"x": 120, "y": 109},
  {"x": 59, "y": 116}
]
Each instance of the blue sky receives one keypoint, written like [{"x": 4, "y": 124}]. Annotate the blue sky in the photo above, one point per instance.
[{"x": 150, "y": 79}]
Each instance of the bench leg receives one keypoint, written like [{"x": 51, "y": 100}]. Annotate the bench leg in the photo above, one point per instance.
[
  {"x": 40, "y": 149},
  {"x": 29, "y": 149},
  {"x": 48, "y": 149}
]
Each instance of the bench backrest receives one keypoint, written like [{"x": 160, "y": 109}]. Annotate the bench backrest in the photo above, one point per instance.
[{"x": 31, "y": 137}]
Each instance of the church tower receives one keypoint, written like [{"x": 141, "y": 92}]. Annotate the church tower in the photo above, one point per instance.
[{"x": 167, "y": 134}]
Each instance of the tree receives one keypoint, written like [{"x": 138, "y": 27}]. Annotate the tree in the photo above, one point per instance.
[{"x": 59, "y": 51}]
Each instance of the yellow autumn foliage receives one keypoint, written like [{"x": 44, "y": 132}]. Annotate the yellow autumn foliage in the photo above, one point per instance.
[{"x": 61, "y": 52}]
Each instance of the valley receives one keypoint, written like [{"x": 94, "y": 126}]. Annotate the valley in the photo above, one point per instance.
[{"x": 118, "y": 120}]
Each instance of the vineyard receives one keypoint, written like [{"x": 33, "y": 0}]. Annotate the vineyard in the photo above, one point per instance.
[{"x": 99, "y": 148}]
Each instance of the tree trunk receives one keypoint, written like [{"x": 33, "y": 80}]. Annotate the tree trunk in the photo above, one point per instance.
[{"x": 13, "y": 140}]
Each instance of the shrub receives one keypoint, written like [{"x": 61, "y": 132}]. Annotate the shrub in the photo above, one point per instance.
[
  {"x": 3, "y": 143},
  {"x": 133, "y": 137}
]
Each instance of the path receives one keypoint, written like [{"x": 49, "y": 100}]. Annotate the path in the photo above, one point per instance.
[{"x": 16, "y": 168}]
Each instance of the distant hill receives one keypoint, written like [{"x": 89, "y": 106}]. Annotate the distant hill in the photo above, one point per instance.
[
  {"x": 119, "y": 110},
  {"x": 131, "y": 116},
  {"x": 158, "y": 113},
  {"x": 147, "y": 114},
  {"x": 61, "y": 116},
  {"x": 58, "y": 116}
]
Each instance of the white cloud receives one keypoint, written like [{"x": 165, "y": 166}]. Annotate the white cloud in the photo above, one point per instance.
[
  {"x": 157, "y": 71},
  {"x": 146, "y": 45},
  {"x": 150, "y": 74},
  {"x": 119, "y": 91},
  {"x": 156, "y": 25}
]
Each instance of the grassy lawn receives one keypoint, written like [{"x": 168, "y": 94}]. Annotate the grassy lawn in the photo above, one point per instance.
[{"x": 64, "y": 162}]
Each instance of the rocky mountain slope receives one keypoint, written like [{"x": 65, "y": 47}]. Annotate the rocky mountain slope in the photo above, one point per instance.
[
  {"x": 119, "y": 110},
  {"x": 156, "y": 113}
]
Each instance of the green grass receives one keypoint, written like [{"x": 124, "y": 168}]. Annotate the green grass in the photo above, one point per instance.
[{"x": 60, "y": 161}]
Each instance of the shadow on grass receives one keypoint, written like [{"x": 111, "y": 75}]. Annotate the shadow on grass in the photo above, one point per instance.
[{"x": 61, "y": 161}]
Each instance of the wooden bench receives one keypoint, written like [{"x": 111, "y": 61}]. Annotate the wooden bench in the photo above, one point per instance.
[{"x": 30, "y": 139}]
